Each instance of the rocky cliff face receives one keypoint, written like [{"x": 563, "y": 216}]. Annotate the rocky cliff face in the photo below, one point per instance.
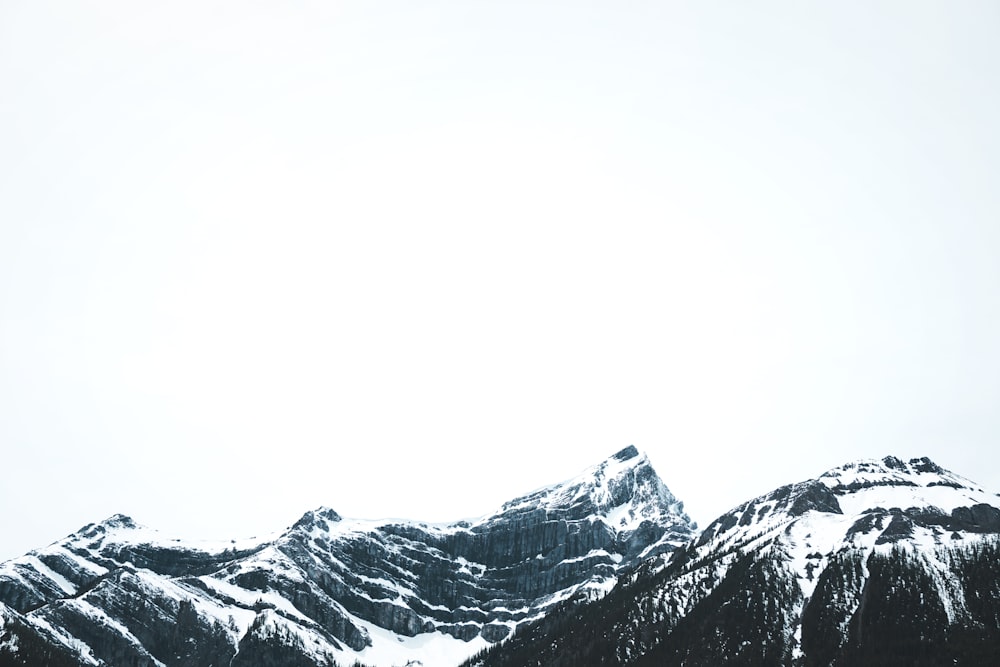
[
  {"x": 876, "y": 562},
  {"x": 331, "y": 590}
]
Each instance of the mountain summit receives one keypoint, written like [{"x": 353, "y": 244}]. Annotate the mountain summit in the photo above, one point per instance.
[
  {"x": 876, "y": 562},
  {"x": 624, "y": 493},
  {"x": 331, "y": 590}
]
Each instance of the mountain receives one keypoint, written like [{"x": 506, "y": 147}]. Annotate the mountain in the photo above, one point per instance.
[
  {"x": 331, "y": 590},
  {"x": 872, "y": 563}
]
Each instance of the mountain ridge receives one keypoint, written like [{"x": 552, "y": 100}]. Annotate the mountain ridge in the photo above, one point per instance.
[
  {"x": 873, "y": 562},
  {"x": 877, "y": 561},
  {"x": 331, "y": 589}
]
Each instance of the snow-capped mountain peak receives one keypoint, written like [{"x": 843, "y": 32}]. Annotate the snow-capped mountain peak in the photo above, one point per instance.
[
  {"x": 624, "y": 493},
  {"x": 623, "y": 489},
  {"x": 845, "y": 515},
  {"x": 859, "y": 492},
  {"x": 874, "y": 562},
  {"x": 321, "y": 517},
  {"x": 331, "y": 589},
  {"x": 891, "y": 471}
]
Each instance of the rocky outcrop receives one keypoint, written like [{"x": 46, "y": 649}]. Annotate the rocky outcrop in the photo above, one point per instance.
[
  {"x": 873, "y": 563},
  {"x": 331, "y": 588}
]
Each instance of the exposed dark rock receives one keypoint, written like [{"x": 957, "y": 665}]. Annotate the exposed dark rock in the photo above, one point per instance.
[
  {"x": 719, "y": 526},
  {"x": 626, "y": 454},
  {"x": 980, "y": 518},
  {"x": 925, "y": 465},
  {"x": 138, "y": 602},
  {"x": 842, "y": 489},
  {"x": 816, "y": 496},
  {"x": 900, "y": 527},
  {"x": 733, "y": 595},
  {"x": 494, "y": 632},
  {"x": 894, "y": 463}
]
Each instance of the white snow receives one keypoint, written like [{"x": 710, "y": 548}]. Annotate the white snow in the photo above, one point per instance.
[
  {"x": 248, "y": 598},
  {"x": 433, "y": 649},
  {"x": 593, "y": 553},
  {"x": 10, "y": 643},
  {"x": 311, "y": 642},
  {"x": 60, "y": 581},
  {"x": 89, "y": 610},
  {"x": 272, "y": 559},
  {"x": 596, "y": 482},
  {"x": 808, "y": 541},
  {"x": 90, "y": 567},
  {"x": 266, "y": 555},
  {"x": 82, "y": 650},
  {"x": 116, "y": 532}
]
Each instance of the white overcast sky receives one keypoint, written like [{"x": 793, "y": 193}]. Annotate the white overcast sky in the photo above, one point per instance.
[{"x": 414, "y": 258}]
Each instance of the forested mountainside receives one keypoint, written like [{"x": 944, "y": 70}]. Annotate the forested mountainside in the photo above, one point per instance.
[{"x": 873, "y": 563}]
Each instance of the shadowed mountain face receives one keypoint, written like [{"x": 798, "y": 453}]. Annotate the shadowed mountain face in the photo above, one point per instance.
[
  {"x": 331, "y": 590},
  {"x": 873, "y": 563}
]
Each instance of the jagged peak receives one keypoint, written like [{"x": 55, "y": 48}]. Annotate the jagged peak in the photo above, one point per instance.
[
  {"x": 319, "y": 516},
  {"x": 113, "y": 522},
  {"x": 120, "y": 521},
  {"x": 588, "y": 480},
  {"x": 122, "y": 525},
  {"x": 890, "y": 462},
  {"x": 618, "y": 464},
  {"x": 858, "y": 495},
  {"x": 919, "y": 465},
  {"x": 327, "y": 513},
  {"x": 626, "y": 454},
  {"x": 623, "y": 490},
  {"x": 892, "y": 471}
]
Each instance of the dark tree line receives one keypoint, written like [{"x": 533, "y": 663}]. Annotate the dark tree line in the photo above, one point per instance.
[{"x": 867, "y": 609}]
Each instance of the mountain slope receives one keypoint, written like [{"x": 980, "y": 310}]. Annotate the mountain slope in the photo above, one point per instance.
[
  {"x": 332, "y": 590},
  {"x": 875, "y": 562}
]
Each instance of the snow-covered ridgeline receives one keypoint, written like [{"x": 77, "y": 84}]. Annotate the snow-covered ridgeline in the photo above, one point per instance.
[{"x": 334, "y": 589}]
